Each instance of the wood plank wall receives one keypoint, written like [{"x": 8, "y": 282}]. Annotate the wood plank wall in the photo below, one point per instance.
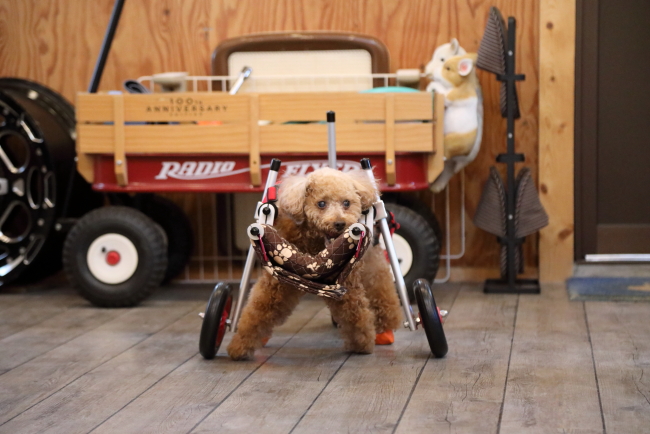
[
  {"x": 556, "y": 107},
  {"x": 56, "y": 43}
]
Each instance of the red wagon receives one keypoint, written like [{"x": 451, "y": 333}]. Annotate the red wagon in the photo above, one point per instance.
[{"x": 217, "y": 142}]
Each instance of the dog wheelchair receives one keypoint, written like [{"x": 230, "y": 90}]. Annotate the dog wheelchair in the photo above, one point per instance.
[{"x": 302, "y": 273}]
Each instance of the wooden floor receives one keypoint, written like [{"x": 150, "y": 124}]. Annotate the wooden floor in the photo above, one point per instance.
[{"x": 516, "y": 364}]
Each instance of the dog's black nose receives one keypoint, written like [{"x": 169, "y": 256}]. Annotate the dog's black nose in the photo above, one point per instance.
[{"x": 339, "y": 226}]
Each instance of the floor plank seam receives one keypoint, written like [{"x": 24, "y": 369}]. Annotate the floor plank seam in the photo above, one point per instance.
[
  {"x": 37, "y": 323},
  {"x": 505, "y": 385},
  {"x": 320, "y": 393},
  {"x": 62, "y": 343},
  {"x": 593, "y": 361},
  {"x": 28, "y": 300},
  {"x": 408, "y": 400},
  {"x": 143, "y": 392},
  {"x": 92, "y": 369},
  {"x": 253, "y": 371},
  {"x": 417, "y": 380}
]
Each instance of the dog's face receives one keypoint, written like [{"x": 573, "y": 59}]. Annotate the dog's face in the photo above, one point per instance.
[{"x": 327, "y": 201}]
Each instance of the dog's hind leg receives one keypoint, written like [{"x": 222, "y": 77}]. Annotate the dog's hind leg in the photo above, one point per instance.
[
  {"x": 356, "y": 321},
  {"x": 269, "y": 305}
]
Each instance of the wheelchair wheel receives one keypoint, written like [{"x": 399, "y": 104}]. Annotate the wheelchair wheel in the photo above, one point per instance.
[
  {"x": 430, "y": 318},
  {"x": 214, "y": 321}
]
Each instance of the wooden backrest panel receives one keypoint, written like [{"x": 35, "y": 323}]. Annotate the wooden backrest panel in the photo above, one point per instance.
[
  {"x": 300, "y": 41},
  {"x": 275, "y": 107}
]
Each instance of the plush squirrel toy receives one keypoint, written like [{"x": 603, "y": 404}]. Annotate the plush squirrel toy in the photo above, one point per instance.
[
  {"x": 434, "y": 67},
  {"x": 461, "y": 105},
  {"x": 454, "y": 77}
]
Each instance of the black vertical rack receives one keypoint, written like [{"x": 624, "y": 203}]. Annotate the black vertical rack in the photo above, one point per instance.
[{"x": 510, "y": 283}]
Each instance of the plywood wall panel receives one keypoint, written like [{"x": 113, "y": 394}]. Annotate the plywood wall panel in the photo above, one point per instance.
[{"x": 56, "y": 43}]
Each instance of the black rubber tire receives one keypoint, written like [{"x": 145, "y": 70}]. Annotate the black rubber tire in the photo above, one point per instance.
[
  {"x": 425, "y": 211},
  {"x": 177, "y": 227},
  {"x": 412, "y": 201},
  {"x": 148, "y": 240},
  {"x": 51, "y": 118},
  {"x": 214, "y": 325},
  {"x": 425, "y": 247},
  {"x": 430, "y": 318}
]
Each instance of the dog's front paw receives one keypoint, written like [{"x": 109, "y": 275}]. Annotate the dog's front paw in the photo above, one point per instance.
[
  {"x": 237, "y": 350},
  {"x": 361, "y": 349},
  {"x": 361, "y": 344}
]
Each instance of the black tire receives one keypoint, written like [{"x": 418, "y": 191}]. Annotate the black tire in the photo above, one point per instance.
[
  {"x": 412, "y": 201},
  {"x": 430, "y": 318},
  {"x": 115, "y": 221},
  {"x": 214, "y": 322},
  {"x": 177, "y": 227},
  {"x": 51, "y": 119},
  {"x": 420, "y": 237}
]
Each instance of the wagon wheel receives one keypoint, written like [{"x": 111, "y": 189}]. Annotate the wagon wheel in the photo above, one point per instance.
[
  {"x": 430, "y": 318},
  {"x": 411, "y": 201},
  {"x": 215, "y": 320},
  {"x": 115, "y": 256},
  {"x": 177, "y": 228},
  {"x": 416, "y": 246}
]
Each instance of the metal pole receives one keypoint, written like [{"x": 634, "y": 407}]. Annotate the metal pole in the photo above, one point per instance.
[
  {"x": 243, "y": 287},
  {"x": 243, "y": 75},
  {"x": 510, "y": 166},
  {"x": 250, "y": 259},
  {"x": 397, "y": 273},
  {"x": 106, "y": 46},
  {"x": 390, "y": 249},
  {"x": 331, "y": 139}
]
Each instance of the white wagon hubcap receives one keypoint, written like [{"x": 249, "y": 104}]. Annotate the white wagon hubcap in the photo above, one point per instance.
[
  {"x": 112, "y": 259},
  {"x": 403, "y": 251}
]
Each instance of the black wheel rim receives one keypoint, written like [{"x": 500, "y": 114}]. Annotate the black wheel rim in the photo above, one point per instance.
[
  {"x": 430, "y": 318},
  {"x": 51, "y": 121},
  {"x": 214, "y": 325},
  {"x": 27, "y": 190}
]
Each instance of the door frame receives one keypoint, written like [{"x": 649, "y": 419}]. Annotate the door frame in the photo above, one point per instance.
[{"x": 586, "y": 128}]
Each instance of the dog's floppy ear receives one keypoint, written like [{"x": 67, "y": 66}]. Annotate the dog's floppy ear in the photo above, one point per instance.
[
  {"x": 364, "y": 187},
  {"x": 291, "y": 198}
]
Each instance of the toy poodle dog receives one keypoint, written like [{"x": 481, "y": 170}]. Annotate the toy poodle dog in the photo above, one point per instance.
[{"x": 312, "y": 211}]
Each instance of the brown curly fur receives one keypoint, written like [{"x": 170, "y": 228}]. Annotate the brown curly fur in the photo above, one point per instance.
[{"x": 370, "y": 306}]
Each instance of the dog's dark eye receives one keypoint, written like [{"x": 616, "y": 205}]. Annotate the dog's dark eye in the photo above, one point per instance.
[
  {"x": 321, "y": 204},
  {"x": 346, "y": 203}
]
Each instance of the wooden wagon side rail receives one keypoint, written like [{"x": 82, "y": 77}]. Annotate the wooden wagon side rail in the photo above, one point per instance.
[{"x": 215, "y": 123}]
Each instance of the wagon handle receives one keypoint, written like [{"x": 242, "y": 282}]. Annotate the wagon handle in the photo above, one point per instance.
[
  {"x": 92, "y": 88},
  {"x": 106, "y": 46}
]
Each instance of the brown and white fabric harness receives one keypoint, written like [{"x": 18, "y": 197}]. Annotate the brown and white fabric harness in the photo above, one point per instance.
[{"x": 321, "y": 274}]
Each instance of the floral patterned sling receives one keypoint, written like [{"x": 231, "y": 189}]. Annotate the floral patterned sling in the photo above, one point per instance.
[{"x": 321, "y": 274}]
